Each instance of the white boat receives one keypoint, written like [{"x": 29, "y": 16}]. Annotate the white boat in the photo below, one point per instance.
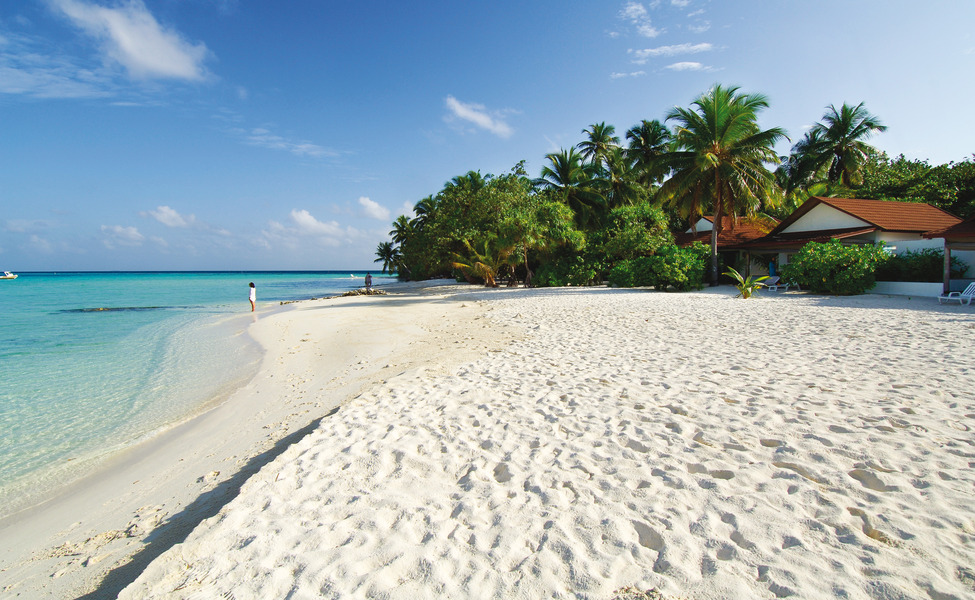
[{"x": 8, "y": 275}]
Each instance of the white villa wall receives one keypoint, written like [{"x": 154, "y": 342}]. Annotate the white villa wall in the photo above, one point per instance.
[
  {"x": 702, "y": 225},
  {"x": 967, "y": 257},
  {"x": 824, "y": 217},
  {"x": 912, "y": 243},
  {"x": 907, "y": 288}
]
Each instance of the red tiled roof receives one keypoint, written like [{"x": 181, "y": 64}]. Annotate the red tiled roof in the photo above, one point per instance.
[
  {"x": 964, "y": 231},
  {"x": 733, "y": 232},
  {"x": 801, "y": 238},
  {"x": 886, "y": 215}
]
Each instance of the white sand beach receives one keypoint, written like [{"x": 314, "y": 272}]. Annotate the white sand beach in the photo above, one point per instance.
[
  {"x": 579, "y": 441},
  {"x": 785, "y": 446}
]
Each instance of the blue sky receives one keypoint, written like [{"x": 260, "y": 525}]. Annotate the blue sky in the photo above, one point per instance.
[{"x": 232, "y": 134}]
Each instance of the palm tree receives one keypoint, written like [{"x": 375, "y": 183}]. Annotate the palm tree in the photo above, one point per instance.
[
  {"x": 834, "y": 149},
  {"x": 649, "y": 141},
  {"x": 719, "y": 159},
  {"x": 844, "y": 131},
  {"x": 620, "y": 183},
  {"x": 600, "y": 143},
  {"x": 402, "y": 230},
  {"x": 424, "y": 211},
  {"x": 471, "y": 182},
  {"x": 389, "y": 255},
  {"x": 571, "y": 179},
  {"x": 485, "y": 262}
]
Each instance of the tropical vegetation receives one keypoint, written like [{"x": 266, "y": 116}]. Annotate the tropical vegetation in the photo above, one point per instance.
[
  {"x": 607, "y": 208},
  {"x": 833, "y": 268}
]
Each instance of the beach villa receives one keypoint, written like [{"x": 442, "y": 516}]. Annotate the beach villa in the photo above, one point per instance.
[
  {"x": 901, "y": 226},
  {"x": 735, "y": 234},
  {"x": 734, "y": 231},
  {"x": 959, "y": 239}
]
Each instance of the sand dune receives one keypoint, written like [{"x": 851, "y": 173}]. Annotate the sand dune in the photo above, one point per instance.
[{"x": 785, "y": 446}]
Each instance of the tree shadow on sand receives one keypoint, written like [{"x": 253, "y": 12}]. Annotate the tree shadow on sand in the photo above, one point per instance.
[{"x": 176, "y": 529}]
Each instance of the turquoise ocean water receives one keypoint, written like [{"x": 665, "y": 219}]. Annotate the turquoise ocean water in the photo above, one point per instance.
[{"x": 79, "y": 383}]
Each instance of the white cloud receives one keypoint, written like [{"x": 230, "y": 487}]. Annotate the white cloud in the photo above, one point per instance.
[
  {"x": 373, "y": 209},
  {"x": 687, "y": 66},
  {"x": 309, "y": 225},
  {"x": 701, "y": 28},
  {"x": 40, "y": 244},
  {"x": 624, "y": 75},
  {"x": 304, "y": 225},
  {"x": 478, "y": 115},
  {"x": 24, "y": 226},
  {"x": 641, "y": 56},
  {"x": 24, "y": 69},
  {"x": 636, "y": 14},
  {"x": 264, "y": 138},
  {"x": 132, "y": 37},
  {"x": 122, "y": 236},
  {"x": 680, "y": 3},
  {"x": 170, "y": 218}
]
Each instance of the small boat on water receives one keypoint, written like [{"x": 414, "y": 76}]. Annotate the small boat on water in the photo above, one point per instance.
[{"x": 8, "y": 275}]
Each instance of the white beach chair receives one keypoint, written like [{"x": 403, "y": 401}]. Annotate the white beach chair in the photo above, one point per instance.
[
  {"x": 774, "y": 283},
  {"x": 961, "y": 297}
]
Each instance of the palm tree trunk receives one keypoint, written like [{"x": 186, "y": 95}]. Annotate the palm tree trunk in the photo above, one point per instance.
[
  {"x": 528, "y": 270},
  {"x": 715, "y": 229}
]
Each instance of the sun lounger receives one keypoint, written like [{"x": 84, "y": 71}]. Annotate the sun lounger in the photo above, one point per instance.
[
  {"x": 774, "y": 283},
  {"x": 961, "y": 297}
]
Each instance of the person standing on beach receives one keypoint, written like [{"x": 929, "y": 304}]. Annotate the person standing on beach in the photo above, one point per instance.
[
  {"x": 253, "y": 296},
  {"x": 368, "y": 281}
]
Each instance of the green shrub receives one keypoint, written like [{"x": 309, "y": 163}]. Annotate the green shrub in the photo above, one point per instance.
[
  {"x": 833, "y": 268},
  {"x": 920, "y": 265},
  {"x": 680, "y": 268},
  {"x": 671, "y": 267},
  {"x": 633, "y": 231},
  {"x": 567, "y": 270},
  {"x": 636, "y": 272}
]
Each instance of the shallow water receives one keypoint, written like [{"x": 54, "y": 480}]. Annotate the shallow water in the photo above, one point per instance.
[{"x": 92, "y": 363}]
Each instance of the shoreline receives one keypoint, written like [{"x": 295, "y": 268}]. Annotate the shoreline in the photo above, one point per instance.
[
  {"x": 162, "y": 487},
  {"x": 38, "y": 489}
]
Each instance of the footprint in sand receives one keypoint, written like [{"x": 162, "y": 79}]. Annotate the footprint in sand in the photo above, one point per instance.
[
  {"x": 647, "y": 537},
  {"x": 501, "y": 473},
  {"x": 741, "y": 541},
  {"x": 868, "y": 529},
  {"x": 870, "y": 481},
  {"x": 699, "y": 469},
  {"x": 637, "y": 446},
  {"x": 677, "y": 410},
  {"x": 800, "y": 470}
]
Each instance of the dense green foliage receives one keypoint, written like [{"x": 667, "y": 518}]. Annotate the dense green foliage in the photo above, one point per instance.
[
  {"x": 568, "y": 269},
  {"x": 602, "y": 210},
  {"x": 920, "y": 265},
  {"x": 950, "y": 187},
  {"x": 680, "y": 269},
  {"x": 833, "y": 268}
]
